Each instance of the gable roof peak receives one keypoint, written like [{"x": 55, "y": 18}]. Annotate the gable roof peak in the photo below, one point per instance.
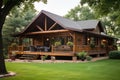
[{"x": 64, "y": 22}]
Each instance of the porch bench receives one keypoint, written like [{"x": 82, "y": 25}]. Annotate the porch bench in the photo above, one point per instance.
[{"x": 62, "y": 48}]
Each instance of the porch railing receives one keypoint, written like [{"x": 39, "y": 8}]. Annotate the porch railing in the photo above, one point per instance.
[
  {"x": 52, "y": 49},
  {"x": 87, "y": 48}
]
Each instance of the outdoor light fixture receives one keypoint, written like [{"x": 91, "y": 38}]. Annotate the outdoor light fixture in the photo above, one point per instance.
[
  {"x": 47, "y": 39},
  {"x": 88, "y": 39}
]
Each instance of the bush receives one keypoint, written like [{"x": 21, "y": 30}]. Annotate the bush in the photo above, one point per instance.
[
  {"x": 114, "y": 54},
  {"x": 82, "y": 55},
  {"x": 88, "y": 58},
  {"x": 43, "y": 58}
]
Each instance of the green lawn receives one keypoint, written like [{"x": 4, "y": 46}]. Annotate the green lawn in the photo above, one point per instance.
[{"x": 99, "y": 70}]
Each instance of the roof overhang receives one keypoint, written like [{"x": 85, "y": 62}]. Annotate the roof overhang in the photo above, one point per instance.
[{"x": 98, "y": 35}]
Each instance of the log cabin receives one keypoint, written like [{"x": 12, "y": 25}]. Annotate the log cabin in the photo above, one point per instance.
[{"x": 53, "y": 35}]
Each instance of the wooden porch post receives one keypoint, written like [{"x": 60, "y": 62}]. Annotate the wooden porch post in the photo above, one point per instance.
[{"x": 74, "y": 58}]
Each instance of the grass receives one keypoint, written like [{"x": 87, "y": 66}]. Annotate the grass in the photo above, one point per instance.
[{"x": 99, "y": 70}]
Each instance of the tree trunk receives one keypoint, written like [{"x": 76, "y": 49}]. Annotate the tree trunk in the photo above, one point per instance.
[
  {"x": 4, "y": 11},
  {"x": 2, "y": 62}
]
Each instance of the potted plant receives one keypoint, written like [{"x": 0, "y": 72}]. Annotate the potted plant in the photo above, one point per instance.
[
  {"x": 57, "y": 43},
  {"x": 69, "y": 43},
  {"x": 82, "y": 55}
]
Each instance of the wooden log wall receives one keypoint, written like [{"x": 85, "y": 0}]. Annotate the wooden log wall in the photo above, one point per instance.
[{"x": 78, "y": 45}]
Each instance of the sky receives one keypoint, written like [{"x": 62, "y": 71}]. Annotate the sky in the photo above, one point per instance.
[{"x": 59, "y": 7}]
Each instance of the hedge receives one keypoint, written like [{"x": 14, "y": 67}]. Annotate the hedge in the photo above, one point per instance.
[{"x": 114, "y": 54}]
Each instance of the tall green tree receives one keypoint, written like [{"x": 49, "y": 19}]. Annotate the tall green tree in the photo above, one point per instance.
[
  {"x": 15, "y": 22},
  {"x": 111, "y": 25},
  {"x": 103, "y": 7},
  {"x": 81, "y": 13},
  {"x": 108, "y": 10},
  {"x": 5, "y": 7}
]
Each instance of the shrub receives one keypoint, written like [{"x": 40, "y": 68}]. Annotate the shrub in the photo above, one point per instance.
[
  {"x": 114, "y": 54},
  {"x": 82, "y": 55},
  {"x": 44, "y": 57},
  {"x": 88, "y": 58}
]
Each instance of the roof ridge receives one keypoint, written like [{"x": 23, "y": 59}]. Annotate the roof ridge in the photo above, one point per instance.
[{"x": 64, "y": 22}]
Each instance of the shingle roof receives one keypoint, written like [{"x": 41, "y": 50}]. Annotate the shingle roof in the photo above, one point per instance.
[
  {"x": 88, "y": 24},
  {"x": 65, "y": 23},
  {"x": 70, "y": 24}
]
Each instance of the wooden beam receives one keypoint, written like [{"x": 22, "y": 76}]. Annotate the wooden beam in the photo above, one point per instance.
[
  {"x": 71, "y": 34},
  {"x": 43, "y": 32},
  {"x": 45, "y": 23},
  {"x": 74, "y": 42},
  {"x": 52, "y": 26},
  {"x": 39, "y": 28}
]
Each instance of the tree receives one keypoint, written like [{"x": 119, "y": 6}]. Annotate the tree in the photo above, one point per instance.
[
  {"x": 111, "y": 25},
  {"x": 5, "y": 7},
  {"x": 81, "y": 13},
  {"x": 107, "y": 10},
  {"x": 15, "y": 22},
  {"x": 103, "y": 7}
]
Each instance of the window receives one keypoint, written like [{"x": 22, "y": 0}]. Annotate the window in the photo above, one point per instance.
[
  {"x": 86, "y": 40},
  {"x": 96, "y": 41}
]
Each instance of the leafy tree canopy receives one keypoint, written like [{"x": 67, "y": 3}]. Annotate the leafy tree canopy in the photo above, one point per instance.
[
  {"x": 80, "y": 13},
  {"x": 15, "y": 22},
  {"x": 105, "y": 7}
]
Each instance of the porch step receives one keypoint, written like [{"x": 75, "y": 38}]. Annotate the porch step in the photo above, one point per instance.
[{"x": 28, "y": 56}]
